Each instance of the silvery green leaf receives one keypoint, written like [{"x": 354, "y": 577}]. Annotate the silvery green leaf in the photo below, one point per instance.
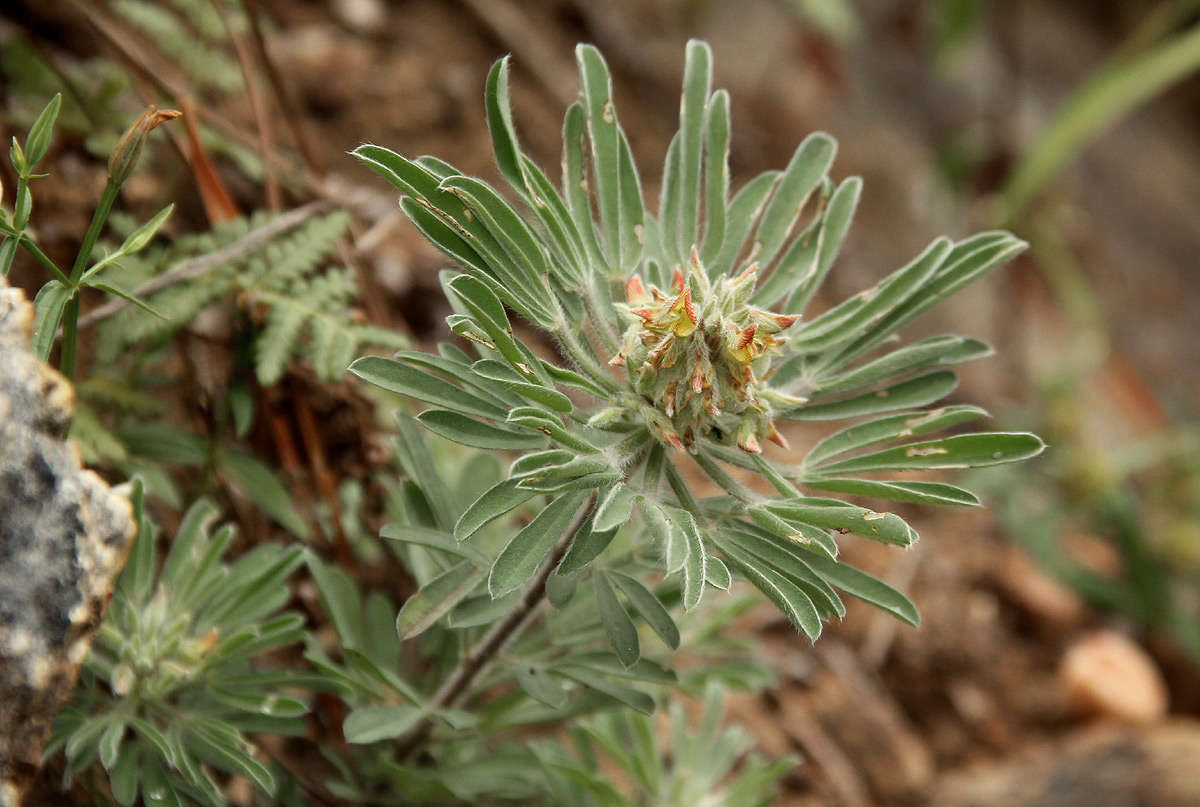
[
  {"x": 625, "y": 694},
  {"x": 588, "y": 544},
  {"x": 474, "y": 433},
  {"x": 896, "y": 491},
  {"x": 914, "y": 392},
  {"x": 835, "y": 223},
  {"x": 436, "y": 598},
  {"x": 622, "y": 633},
  {"x": 960, "y": 451},
  {"x": 933, "y": 351},
  {"x": 495, "y": 502},
  {"x": 886, "y": 527},
  {"x": 716, "y": 170},
  {"x": 604, "y": 136},
  {"x": 615, "y": 507},
  {"x": 529, "y": 388},
  {"x": 520, "y": 559},
  {"x": 649, "y": 607},
  {"x": 540, "y": 686},
  {"x": 744, "y": 211},
  {"x": 402, "y": 379},
  {"x": 803, "y": 175},
  {"x": 892, "y": 427},
  {"x": 787, "y": 597},
  {"x": 865, "y": 587},
  {"x": 370, "y": 724}
]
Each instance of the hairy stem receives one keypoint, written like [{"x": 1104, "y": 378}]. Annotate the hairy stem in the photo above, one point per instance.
[{"x": 456, "y": 686}]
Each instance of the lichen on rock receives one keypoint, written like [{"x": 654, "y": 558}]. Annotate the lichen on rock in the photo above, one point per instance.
[{"x": 64, "y": 535}]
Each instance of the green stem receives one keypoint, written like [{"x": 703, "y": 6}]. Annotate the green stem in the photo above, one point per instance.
[
  {"x": 70, "y": 323},
  {"x": 44, "y": 259}
]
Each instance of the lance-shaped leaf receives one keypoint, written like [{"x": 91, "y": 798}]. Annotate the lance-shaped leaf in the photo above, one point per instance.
[
  {"x": 504, "y": 374},
  {"x": 897, "y": 491},
  {"x": 696, "y": 560},
  {"x": 744, "y": 211},
  {"x": 649, "y": 607},
  {"x": 589, "y": 542},
  {"x": 969, "y": 260},
  {"x": 370, "y": 724},
  {"x": 615, "y": 507},
  {"x": 627, "y": 695},
  {"x": 839, "y": 212},
  {"x": 745, "y": 547},
  {"x": 959, "y": 451},
  {"x": 622, "y": 633},
  {"x": 604, "y": 134},
  {"x": 886, "y": 527},
  {"x": 716, "y": 170},
  {"x": 493, "y": 503},
  {"x": 932, "y": 352},
  {"x": 474, "y": 433},
  {"x": 436, "y": 598},
  {"x": 909, "y": 394},
  {"x": 519, "y": 560},
  {"x": 395, "y": 376},
  {"x": 892, "y": 427},
  {"x": 865, "y": 587},
  {"x": 803, "y": 175},
  {"x": 787, "y": 597}
]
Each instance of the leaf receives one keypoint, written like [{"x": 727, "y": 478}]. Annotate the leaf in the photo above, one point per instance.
[
  {"x": 482, "y": 609},
  {"x": 127, "y": 296},
  {"x": 342, "y": 601},
  {"x": 931, "y": 352},
  {"x": 588, "y": 544},
  {"x": 615, "y": 507},
  {"x": 785, "y": 556},
  {"x": 914, "y": 392},
  {"x": 853, "y": 316},
  {"x": 649, "y": 607},
  {"x": 717, "y": 574},
  {"x": 370, "y": 724},
  {"x": 622, "y": 633},
  {"x": 470, "y": 432},
  {"x": 886, "y": 527},
  {"x": 402, "y": 379},
  {"x": 744, "y": 210},
  {"x": 865, "y": 587},
  {"x": 495, "y": 502},
  {"x": 540, "y": 686},
  {"x": 604, "y": 134},
  {"x": 519, "y": 560},
  {"x": 695, "y": 561},
  {"x": 839, "y": 212},
  {"x": 896, "y": 491},
  {"x": 504, "y": 374},
  {"x": 436, "y": 598},
  {"x": 140, "y": 237},
  {"x": 625, "y": 694},
  {"x": 258, "y": 483},
  {"x": 41, "y": 133},
  {"x": 803, "y": 174},
  {"x": 413, "y": 455},
  {"x": 48, "y": 306},
  {"x": 960, "y": 451},
  {"x": 787, "y": 597},
  {"x": 969, "y": 260},
  {"x": 716, "y": 169},
  {"x": 433, "y": 539},
  {"x": 892, "y": 427}
]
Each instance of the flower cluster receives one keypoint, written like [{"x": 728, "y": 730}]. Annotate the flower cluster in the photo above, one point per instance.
[{"x": 698, "y": 356}]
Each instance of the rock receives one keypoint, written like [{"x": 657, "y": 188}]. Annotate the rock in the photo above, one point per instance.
[
  {"x": 1049, "y": 604},
  {"x": 1108, "y": 675},
  {"x": 1107, "y": 767},
  {"x": 64, "y": 535}
]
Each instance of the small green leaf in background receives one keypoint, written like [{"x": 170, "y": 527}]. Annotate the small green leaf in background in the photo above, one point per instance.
[
  {"x": 622, "y": 634},
  {"x": 370, "y": 724}
]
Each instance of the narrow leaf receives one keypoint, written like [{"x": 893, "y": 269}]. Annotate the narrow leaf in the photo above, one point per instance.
[
  {"x": 519, "y": 560},
  {"x": 622, "y": 633}
]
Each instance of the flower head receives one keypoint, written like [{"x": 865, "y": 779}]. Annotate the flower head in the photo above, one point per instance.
[{"x": 697, "y": 354}]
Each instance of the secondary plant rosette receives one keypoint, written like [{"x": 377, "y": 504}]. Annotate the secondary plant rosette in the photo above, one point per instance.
[{"x": 685, "y": 336}]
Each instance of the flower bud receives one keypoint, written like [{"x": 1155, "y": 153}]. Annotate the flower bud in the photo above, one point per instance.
[{"x": 124, "y": 157}]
